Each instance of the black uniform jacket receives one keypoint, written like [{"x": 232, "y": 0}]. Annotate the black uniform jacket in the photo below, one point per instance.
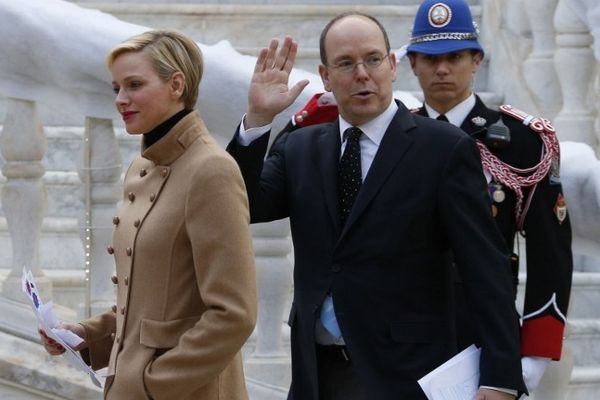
[{"x": 547, "y": 239}]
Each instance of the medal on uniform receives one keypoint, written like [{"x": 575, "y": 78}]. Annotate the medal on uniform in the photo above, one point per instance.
[
  {"x": 498, "y": 194},
  {"x": 560, "y": 208},
  {"x": 478, "y": 121},
  {"x": 555, "y": 172}
]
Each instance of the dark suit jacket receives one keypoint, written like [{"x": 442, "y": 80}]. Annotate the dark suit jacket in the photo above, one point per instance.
[
  {"x": 388, "y": 268},
  {"x": 548, "y": 241}
]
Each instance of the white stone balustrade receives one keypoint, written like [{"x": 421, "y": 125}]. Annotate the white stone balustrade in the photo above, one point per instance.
[
  {"x": 575, "y": 66},
  {"x": 538, "y": 69},
  {"x": 23, "y": 145},
  {"x": 101, "y": 177},
  {"x": 272, "y": 245}
]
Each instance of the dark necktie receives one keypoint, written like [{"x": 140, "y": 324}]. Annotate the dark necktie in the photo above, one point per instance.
[
  {"x": 442, "y": 117},
  {"x": 349, "y": 172}
]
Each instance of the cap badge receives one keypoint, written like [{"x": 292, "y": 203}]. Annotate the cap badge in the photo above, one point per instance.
[{"x": 439, "y": 15}]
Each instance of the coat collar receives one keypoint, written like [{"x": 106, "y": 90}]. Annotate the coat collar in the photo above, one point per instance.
[
  {"x": 329, "y": 158},
  {"x": 180, "y": 137},
  {"x": 393, "y": 146}
]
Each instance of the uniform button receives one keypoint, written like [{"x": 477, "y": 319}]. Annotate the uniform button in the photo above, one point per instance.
[
  {"x": 131, "y": 196},
  {"x": 126, "y": 280},
  {"x": 114, "y": 279},
  {"x": 122, "y": 310},
  {"x": 116, "y": 220},
  {"x": 112, "y": 335},
  {"x": 110, "y": 250},
  {"x": 165, "y": 172},
  {"x": 152, "y": 197},
  {"x": 118, "y": 339},
  {"x": 143, "y": 172},
  {"x": 114, "y": 308},
  {"x": 136, "y": 223},
  {"x": 336, "y": 268},
  {"x": 129, "y": 251}
]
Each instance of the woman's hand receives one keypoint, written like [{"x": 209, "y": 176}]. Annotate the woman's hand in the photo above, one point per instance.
[{"x": 54, "y": 348}]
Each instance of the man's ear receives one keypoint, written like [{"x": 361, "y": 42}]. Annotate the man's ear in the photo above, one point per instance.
[
  {"x": 177, "y": 84},
  {"x": 325, "y": 77},
  {"x": 477, "y": 58}
]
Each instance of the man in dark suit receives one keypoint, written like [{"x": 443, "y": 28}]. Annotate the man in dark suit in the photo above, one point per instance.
[
  {"x": 379, "y": 202},
  {"x": 521, "y": 159}
]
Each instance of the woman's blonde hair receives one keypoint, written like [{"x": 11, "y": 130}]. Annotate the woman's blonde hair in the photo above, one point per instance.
[{"x": 170, "y": 51}]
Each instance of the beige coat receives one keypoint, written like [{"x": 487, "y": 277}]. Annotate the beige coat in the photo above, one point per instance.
[{"x": 186, "y": 284}]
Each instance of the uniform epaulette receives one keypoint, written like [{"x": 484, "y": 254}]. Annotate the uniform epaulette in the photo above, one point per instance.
[
  {"x": 540, "y": 125},
  {"x": 320, "y": 108}
]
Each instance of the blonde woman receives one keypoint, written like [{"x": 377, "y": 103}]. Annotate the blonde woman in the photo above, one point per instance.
[{"x": 186, "y": 292}]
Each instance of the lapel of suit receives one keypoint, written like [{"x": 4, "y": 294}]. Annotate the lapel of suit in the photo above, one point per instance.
[
  {"x": 329, "y": 155},
  {"x": 393, "y": 146}
]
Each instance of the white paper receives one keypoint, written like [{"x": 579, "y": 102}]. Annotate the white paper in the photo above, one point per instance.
[
  {"x": 456, "y": 379},
  {"x": 49, "y": 323}
]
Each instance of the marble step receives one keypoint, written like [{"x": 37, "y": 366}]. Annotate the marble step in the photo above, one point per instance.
[
  {"x": 583, "y": 338},
  {"x": 585, "y": 383}
]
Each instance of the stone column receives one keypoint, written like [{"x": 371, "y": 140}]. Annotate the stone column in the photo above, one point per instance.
[
  {"x": 538, "y": 69},
  {"x": 574, "y": 64},
  {"x": 23, "y": 145},
  {"x": 269, "y": 362},
  {"x": 101, "y": 177}
]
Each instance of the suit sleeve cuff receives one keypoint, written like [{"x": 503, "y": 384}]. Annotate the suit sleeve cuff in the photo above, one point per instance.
[
  {"x": 542, "y": 337},
  {"x": 504, "y": 390},
  {"x": 247, "y": 136}
]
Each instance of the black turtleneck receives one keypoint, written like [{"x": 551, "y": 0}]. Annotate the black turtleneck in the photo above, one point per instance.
[{"x": 161, "y": 130}]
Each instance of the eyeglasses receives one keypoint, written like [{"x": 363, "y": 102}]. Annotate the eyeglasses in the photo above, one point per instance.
[{"x": 371, "y": 63}]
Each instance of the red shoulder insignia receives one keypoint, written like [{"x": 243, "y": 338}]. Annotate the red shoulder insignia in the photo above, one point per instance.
[
  {"x": 536, "y": 123},
  {"x": 322, "y": 107}
]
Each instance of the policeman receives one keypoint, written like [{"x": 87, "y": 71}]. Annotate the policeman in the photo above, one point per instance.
[{"x": 521, "y": 160}]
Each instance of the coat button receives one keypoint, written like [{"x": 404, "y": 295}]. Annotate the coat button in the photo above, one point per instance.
[
  {"x": 136, "y": 223},
  {"x": 114, "y": 308},
  {"x": 143, "y": 172},
  {"x": 122, "y": 310},
  {"x": 131, "y": 196},
  {"x": 129, "y": 251},
  {"x": 118, "y": 339},
  {"x": 116, "y": 220},
  {"x": 126, "y": 280},
  {"x": 336, "y": 268},
  {"x": 165, "y": 172},
  {"x": 152, "y": 197},
  {"x": 110, "y": 250},
  {"x": 112, "y": 335},
  {"x": 114, "y": 279}
]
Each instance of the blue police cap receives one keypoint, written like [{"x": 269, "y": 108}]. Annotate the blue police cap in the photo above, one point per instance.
[{"x": 442, "y": 27}]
